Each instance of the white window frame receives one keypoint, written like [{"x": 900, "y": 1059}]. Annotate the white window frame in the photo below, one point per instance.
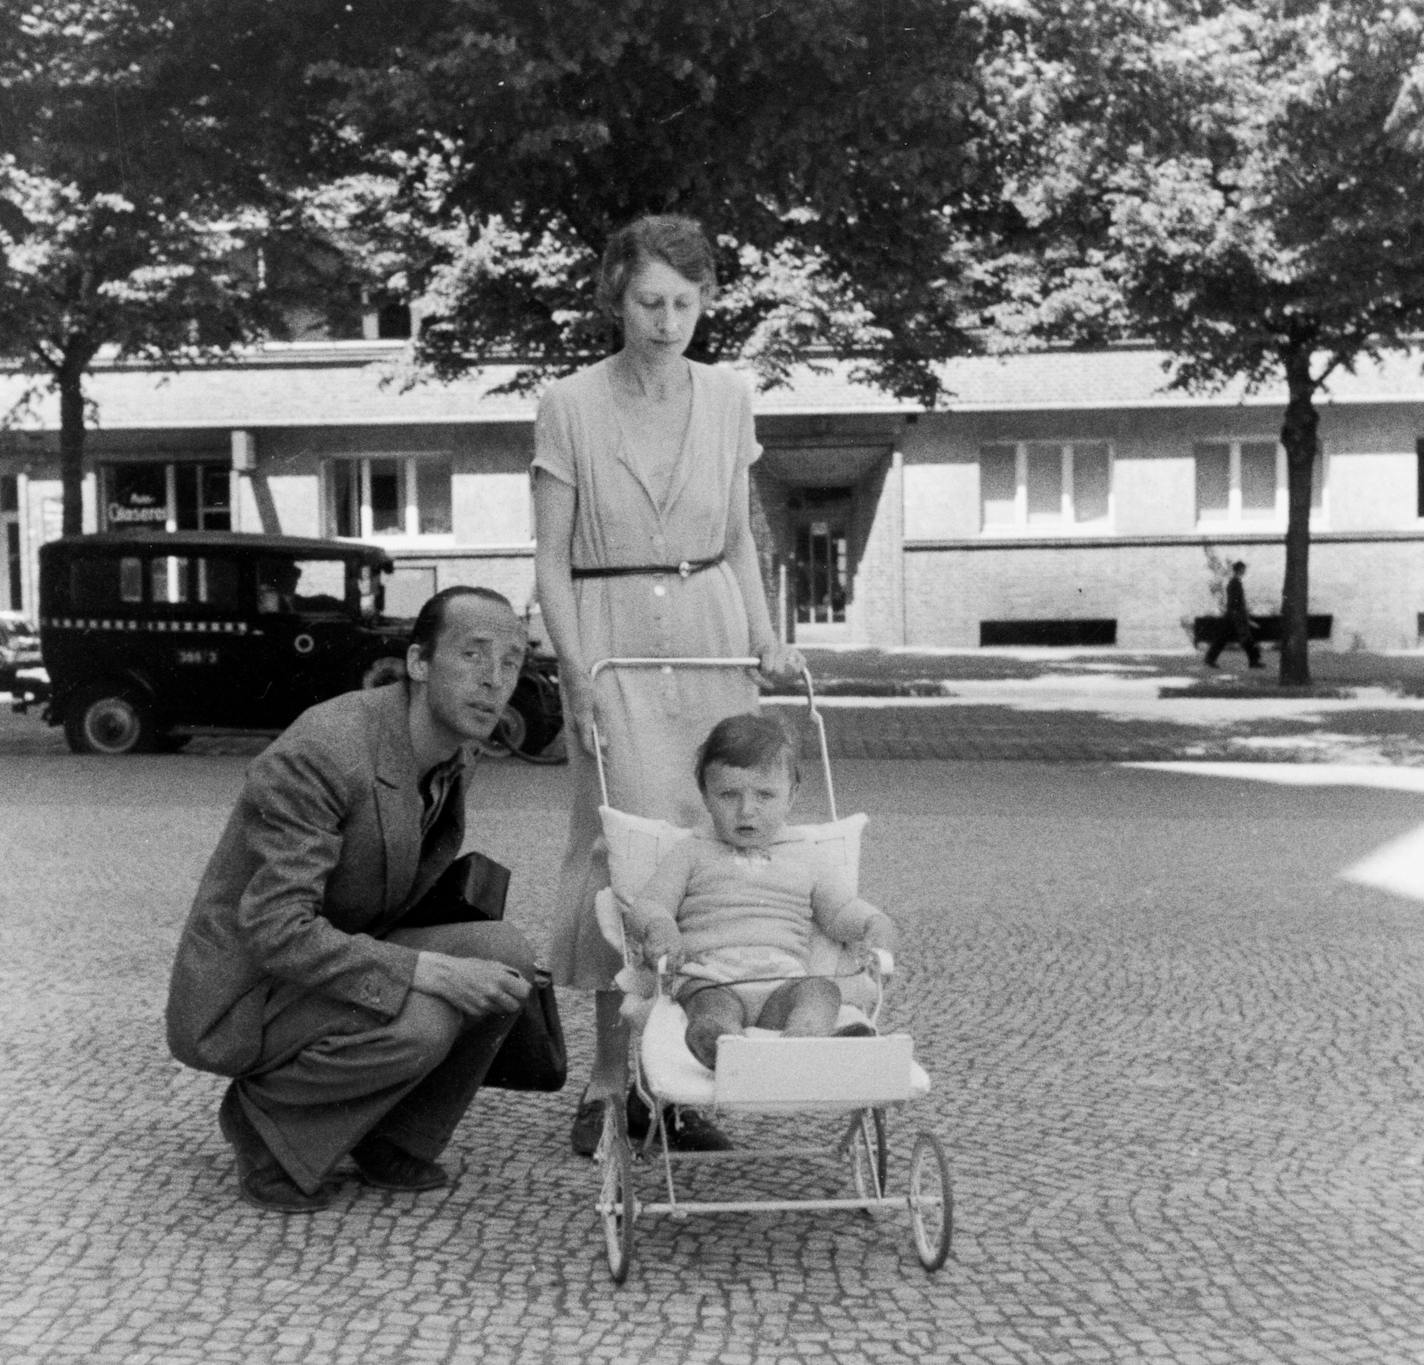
[
  {"x": 407, "y": 466},
  {"x": 203, "y": 509},
  {"x": 1064, "y": 524},
  {"x": 1280, "y": 513}
]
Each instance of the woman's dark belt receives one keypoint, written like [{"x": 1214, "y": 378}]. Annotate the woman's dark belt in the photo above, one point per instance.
[{"x": 685, "y": 569}]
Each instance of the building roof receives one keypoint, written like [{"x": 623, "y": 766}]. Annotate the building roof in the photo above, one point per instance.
[{"x": 365, "y": 384}]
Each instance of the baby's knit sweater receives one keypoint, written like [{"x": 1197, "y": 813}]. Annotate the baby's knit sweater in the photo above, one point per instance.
[{"x": 722, "y": 898}]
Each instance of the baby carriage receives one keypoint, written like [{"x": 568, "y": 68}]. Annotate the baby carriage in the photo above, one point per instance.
[{"x": 760, "y": 1072}]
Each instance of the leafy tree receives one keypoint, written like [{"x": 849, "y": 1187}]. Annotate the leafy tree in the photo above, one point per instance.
[
  {"x": 1241, "y": 184},
  {"x": 144, "y": 150},
  {"x": 831, "y": 145}
]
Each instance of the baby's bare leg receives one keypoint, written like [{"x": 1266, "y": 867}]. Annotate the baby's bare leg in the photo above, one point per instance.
[
  {"x": 711, "y": 1012},
  {"x": 804, "y": 1008}
]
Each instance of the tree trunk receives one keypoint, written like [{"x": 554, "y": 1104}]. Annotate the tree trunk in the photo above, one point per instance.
[
  {"x": 1300, "y": 437},
  {"x": 70, "y": 377}
]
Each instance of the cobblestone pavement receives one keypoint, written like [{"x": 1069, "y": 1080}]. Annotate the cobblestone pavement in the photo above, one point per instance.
[{"x": 1175, "y": 1057}]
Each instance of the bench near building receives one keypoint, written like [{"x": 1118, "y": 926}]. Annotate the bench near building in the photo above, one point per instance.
[{"x": 1055, "y": 498}]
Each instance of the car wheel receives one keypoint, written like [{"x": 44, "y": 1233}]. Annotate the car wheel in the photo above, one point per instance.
[
  {"x": 526, "y": 727},
  {"x": 108, "y": 720},
  {"x": 382, "y": 671}
]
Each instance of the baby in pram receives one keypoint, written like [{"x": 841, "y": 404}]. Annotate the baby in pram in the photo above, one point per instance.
[{"x": 731, "y": 907}]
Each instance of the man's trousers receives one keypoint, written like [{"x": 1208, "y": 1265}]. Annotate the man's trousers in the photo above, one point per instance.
[{"x": 329, "y": 1074}]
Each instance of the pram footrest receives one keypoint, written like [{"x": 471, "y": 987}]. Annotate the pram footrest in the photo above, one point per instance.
[{"x": 774, "y": 1074}]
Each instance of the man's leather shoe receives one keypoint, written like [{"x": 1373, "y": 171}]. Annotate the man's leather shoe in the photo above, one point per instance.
[
  {"x": 389, "y": 1167},
  {"x": 270, "y": 1188},
  {"x": 261, "y": 1181},
  {"x": 247, "y": 1145}
]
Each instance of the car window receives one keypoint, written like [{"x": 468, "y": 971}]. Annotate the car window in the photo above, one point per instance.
[
  {"x": 323, "y": 582},
  {"x": 104, "y": 583},
  {"x": 203, "y": 580}
]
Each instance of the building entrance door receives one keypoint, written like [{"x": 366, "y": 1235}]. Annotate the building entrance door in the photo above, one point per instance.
[{"x": 821, "y": 519}]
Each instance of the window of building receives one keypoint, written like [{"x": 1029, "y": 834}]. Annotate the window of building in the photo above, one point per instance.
[
  {"x": 1045, "y": 486},
  {"x": 203, "y": 497},
  {"x": 389, "y": 496},
  {"x": 1241, "y": 482},
  {"x": 168, "y": 496}
]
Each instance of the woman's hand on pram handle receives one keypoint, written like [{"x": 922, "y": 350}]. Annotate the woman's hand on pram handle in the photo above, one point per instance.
[
  {"x": 779, "y": 662},
  {"x": 582, "y": 710}
]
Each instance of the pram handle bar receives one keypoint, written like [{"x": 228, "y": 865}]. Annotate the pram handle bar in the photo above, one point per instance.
[{"x": 668, "y": 664}]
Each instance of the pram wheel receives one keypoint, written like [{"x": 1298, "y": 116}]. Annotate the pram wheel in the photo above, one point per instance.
[
  {"x": 617, "y": 1204},
  {"x": 931, "y": 1203},
  {"x": 869, "y": 1154}
]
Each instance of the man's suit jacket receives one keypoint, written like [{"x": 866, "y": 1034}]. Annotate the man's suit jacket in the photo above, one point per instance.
[{"x": 321, "y": 857}]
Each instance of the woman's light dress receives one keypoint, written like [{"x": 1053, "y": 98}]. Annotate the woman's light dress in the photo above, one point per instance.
[{"x": 644, "y": 511}]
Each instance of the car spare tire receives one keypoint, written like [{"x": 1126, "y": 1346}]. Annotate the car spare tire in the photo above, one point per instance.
[
  {"x": 531, "y": 719},
  {"x": 382, "y": 671}
]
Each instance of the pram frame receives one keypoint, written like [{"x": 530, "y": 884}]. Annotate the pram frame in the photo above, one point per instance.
[{"x": 928, "y": 1197}]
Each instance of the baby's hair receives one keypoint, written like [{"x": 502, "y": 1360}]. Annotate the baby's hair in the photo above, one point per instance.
[{"x": 747, "y": 741}]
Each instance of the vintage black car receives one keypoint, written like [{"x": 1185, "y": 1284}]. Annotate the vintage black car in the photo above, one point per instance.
[{"x": 147, "y": 639}]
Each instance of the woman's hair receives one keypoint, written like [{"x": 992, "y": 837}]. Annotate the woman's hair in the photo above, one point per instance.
[
  {"x": 667, "y": 237},
  {"x": 431, "y": 620},
  {"x": 747, "y": 741}
]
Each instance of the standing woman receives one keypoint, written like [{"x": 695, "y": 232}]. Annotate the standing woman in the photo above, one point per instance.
[{"x": 641, "y": 504}]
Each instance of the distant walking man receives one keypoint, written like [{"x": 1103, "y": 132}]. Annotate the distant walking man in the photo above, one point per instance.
[{"x": 1235, "y": 627}]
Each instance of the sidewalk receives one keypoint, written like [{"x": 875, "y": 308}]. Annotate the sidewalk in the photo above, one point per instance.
[
  {"x": 1058, "y": 705},
  {"x": 1044, "y": 704}
]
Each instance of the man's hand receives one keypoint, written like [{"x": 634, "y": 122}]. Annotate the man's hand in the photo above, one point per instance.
[{"x": 473, "y": 985}]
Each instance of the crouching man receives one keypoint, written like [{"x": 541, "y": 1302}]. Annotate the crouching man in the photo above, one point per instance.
[{"x": 347, "y": 1034}]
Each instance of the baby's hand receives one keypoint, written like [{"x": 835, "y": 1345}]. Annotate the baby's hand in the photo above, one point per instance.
[
  {"x": 879, "y": 933},
  {"x": 663, "y": 940}
]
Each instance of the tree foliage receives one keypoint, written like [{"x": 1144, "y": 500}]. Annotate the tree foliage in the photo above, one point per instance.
[
  {"x": 830, "y": 145},
  {"x": 1239, "y": 183},
  {"x": 146, "y": 151}
]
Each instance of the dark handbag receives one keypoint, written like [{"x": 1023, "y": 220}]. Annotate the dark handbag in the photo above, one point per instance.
[{"x": 533, "y": 1055}]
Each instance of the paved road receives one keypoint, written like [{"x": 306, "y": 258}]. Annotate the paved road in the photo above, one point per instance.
[
  {"x": 1175, "y": 1056},
  {"x": 1019, "y": 721}
]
